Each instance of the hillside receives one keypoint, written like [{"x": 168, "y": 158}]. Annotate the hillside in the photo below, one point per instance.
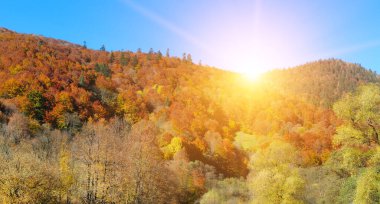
[
  {"x": 324, "y": 81},
  {"x": 81, "y": 125}
]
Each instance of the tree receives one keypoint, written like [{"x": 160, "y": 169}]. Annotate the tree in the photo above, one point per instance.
[
  {"x": 151, "y": 51},
  {"x": 361, "y": 113},
  {"x": 172, "y": 148},
  {"x": 66, "y": 173},
  {"x": 273, "y": 177},
  {"x": 103, "y": 48},
  {"x": 124, "y": 60},
  {"x": 230, "y": 190},
  {"x": 103, "y": 69},
  {"x": 36, "y": 106},
  {"x": 112, "y": 58},
  {"x": 189, "y": 59},
  {"x": 17, "y": 128},
  {"x": 71, "y": 123},
  {"x": 134, "y": 61},
  {"x": 81, "y": 82},
  {"x": 84, "y": 44},
  {"x": 346, "y": 135},
  {"x": 159, "y": 55},
  {"x": 99, "y": 154},
  {"x": 368, "y": 187},
  {"x": 146, "y": 174},
  {"x": 24, "y": 178},
  {"x": 357, "y": 140},
  {"x": 347, "y": 161}
]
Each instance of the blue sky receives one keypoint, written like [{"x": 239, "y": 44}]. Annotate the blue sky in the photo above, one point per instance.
[{"x": 249, "y": 36}]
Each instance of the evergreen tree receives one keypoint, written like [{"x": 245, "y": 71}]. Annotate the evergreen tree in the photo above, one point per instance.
[
  {"x": 81, "y": 80},
  {"x": 159, "y": 55},
  {"x": 189, "y": 58},
  {"x": 112, "y": 57},
  {"x": 103, "y": 48},
  {"x": 103, "y": 69},
  {"x": 124, "y": 60},
  {"x": 150, "y": 54},
  {"x": 134, "y": 61}
]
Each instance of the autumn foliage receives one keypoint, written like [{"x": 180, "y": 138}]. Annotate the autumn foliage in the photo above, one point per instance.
[{"x": 125, "y": 127}]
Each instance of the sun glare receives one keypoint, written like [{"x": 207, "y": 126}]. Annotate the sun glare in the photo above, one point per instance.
[{"x": 252, "y": 75}]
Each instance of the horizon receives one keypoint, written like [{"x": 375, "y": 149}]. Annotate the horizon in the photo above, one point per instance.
[{"x": 243, "y": 37}]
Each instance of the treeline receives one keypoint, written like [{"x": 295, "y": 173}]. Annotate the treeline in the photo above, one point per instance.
[{"x": 324, "y": 81}]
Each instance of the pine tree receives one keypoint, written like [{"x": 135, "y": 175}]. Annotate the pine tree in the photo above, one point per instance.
[
  {"x": 103, "y": 48},
  {"x": 189, "y": 58},
  {"x": 112, "y": 57}
]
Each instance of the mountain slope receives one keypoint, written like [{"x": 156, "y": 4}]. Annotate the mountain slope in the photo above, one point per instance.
[
  {"x": 80, "y": 115},
  {"x": 64, "y": 85},
  {"x": 323, "y": 81}
]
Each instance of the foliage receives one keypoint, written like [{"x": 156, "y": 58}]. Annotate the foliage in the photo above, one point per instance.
[
  {"x": 368, "y": 187},
  {"x": 273, "y": 177},
  {"x": 103, "y": 69},
  {"x": 229, "y": 191},
  {"x": 85, "y": 126}
]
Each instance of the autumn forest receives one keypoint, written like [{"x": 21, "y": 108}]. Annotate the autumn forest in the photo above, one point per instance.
[{"x": 79, "y": 125}]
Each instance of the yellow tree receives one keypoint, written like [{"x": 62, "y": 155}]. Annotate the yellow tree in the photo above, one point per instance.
[
  {"x": 66, "y": 173},
  {"x": 274, "y": 178}
]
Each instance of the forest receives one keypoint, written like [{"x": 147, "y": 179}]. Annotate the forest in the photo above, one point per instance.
[{"x": 91, "y": 126}]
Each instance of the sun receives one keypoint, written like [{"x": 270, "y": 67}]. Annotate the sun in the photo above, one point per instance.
[{"x": 252, "y": 75}]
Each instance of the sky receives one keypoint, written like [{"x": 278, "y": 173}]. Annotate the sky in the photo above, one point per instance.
[{"x": 247, "y": 36}]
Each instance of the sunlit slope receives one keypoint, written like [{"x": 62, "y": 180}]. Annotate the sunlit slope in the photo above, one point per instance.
[{"x": 323, "y": 81}]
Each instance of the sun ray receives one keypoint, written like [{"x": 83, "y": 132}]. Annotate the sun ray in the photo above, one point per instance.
[{"x": 166, "y": 24}]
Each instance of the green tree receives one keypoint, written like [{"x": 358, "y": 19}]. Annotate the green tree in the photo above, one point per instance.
[
  {"x": 347, "y": 190},
  {"x": 37, "y": 105},
  {"x": 124, "y": 60},
  {"x": 103, "y": 69},
  {"x": 81, "y": 82},
  {"x": 346, "y": 161},
  {"x": 368, "y": 187},
  {"x": 230, "y": 190},
  {"x": 361, "y": 112},
  {"x": 346, "y": 135},
  {"x": 103, "y": 48},
  {"x": 134, "y": 61},
  {"x": 274, "y": 177},
  {"x": 159, "y": 55},
  {"x": 112, "y": 58}
]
